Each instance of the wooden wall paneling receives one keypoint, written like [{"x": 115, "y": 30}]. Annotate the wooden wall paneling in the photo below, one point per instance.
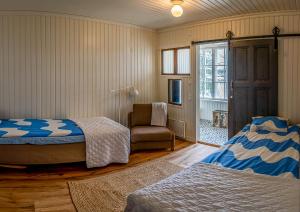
[
  {"x": 258, "y": 24},
  {"x": 60, "y": 66}
]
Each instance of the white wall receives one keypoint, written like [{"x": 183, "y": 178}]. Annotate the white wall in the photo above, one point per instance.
[
  {"x": 257, "y": 24},
  {"x": 57, "y": 66}
]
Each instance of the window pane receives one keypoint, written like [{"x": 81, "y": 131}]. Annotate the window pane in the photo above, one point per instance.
[
  {"x": 208, "y": 90},
  {"x": 183, "y": 61},
  {"x": 202, "y": 58},
  {"x": 220, "y": 56},
  {"x": 168, "y": 62},
  {"x": 220, "y": 75},
  {"x": 202, "y": 89},
  {"x": 208, "y": 56},
  {"x": 175, "y": 93},
  {"x": 220, "y": 90},
  {"x": 202, "y": 73},
  {"x": 208, "y": 74},
  {"x": 213, "y": 71}
]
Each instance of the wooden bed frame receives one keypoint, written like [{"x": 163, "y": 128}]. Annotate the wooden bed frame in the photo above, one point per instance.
[{"x": 28, "y": 154}]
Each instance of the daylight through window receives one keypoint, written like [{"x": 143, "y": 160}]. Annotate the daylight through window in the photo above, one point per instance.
[
  {"x": 176, "y": 61},
  {"x": 213, "y": 72}
]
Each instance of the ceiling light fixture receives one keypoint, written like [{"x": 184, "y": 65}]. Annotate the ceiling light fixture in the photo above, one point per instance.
[{"x": 177, "y": 9}]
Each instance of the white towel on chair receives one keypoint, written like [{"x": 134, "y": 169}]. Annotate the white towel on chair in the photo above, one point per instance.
[{"x": 159, "y": 114}]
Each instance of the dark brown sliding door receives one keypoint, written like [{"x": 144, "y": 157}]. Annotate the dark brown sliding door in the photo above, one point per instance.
[{"x": 253, "y": 81}]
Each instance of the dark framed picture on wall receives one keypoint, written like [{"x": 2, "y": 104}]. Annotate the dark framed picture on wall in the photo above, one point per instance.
[{"x": 175, "y": 91}]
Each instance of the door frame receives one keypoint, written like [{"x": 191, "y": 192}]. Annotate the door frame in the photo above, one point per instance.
[{"x": 197, "y": 83}]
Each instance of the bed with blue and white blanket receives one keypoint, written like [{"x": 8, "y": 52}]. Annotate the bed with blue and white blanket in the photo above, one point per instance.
[
  {"x": 98, "y": 140},
  {"x": 256, "y": 170},
  {"x": 39, "y": 131},
  {"x": 262, "y": 152}
]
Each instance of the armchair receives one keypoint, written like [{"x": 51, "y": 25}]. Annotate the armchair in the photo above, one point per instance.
[{"x": 143, "y": 135}]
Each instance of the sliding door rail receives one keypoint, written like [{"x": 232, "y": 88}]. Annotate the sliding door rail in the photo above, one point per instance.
[{"x": 230, "y": 37}]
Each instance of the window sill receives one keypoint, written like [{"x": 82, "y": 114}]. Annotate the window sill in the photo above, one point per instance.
[{"x": 175, "y": 106}]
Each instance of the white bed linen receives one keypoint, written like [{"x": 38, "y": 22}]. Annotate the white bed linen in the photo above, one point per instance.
[
  {"x": 106, "y": 141},
  {"x": 208, "y": 187}
]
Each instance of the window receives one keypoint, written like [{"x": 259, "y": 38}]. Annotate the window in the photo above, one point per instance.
[
  {"x": 168, "y": 61},
  {"x": 183, "y": 61},
  {"x": 213, "y": 71},
  {"x": 175, "y": 92},
  {"x": 176, "y": 61}
]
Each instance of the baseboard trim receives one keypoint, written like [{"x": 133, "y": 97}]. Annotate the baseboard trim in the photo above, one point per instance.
[
  {"x": 208, "y": 144},
  {"x": 11, "y": 166},
  {"x": 188, "y": 139}
]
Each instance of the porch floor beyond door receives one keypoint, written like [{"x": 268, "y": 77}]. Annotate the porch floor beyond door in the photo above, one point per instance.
[{"x": 212, "y": 135}]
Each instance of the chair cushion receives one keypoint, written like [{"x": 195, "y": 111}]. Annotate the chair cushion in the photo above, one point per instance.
[
  {"x": 150, "y": 133},
  {"x": 141, "y": 115}
]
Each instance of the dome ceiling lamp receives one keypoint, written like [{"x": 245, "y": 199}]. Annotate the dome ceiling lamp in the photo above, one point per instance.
[{"x": 177, "y": 9}]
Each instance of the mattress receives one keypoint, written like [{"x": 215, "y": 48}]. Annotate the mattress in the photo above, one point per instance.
[{"x": 40, "y": 131}]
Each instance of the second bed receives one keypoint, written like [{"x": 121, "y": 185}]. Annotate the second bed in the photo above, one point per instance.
[{"x": 98, "y": 141}]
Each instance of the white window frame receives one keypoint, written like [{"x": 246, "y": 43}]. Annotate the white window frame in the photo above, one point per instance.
[
  {"x": 214, "y": 82},
  {"x": 175, "y": 64}
]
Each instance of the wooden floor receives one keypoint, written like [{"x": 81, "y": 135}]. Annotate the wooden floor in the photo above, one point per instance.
[{"x": 44, "y": 188}]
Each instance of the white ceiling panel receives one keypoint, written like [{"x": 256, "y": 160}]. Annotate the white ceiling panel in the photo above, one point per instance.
[{"x": 151, "y": 13}]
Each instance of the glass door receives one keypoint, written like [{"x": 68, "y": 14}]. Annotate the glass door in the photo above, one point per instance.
[{"x": 212, "y": 95}]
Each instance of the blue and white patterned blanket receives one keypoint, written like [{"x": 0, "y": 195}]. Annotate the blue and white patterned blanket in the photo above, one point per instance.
[
  {"x": 11, "y": 128},
  {"x": 261, "y": 151}
]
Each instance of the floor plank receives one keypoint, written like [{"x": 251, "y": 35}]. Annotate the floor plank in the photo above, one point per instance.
[{"x": 44, "y": 188}]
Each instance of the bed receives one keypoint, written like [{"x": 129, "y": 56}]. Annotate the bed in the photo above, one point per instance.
[
  {"x": 256, "y": 170},
  {"x": 98, "y": 141},
  {"x": 262, "y": 152}
]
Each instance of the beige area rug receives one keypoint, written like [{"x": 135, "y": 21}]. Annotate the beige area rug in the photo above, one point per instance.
[{"x": 109, "y": 192}]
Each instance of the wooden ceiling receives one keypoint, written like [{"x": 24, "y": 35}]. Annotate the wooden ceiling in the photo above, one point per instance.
[{"x": 152, "y": 13}]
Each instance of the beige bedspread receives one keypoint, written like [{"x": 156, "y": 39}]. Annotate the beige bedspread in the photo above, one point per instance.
[
  {"x": 207, "y": 187},
  {"x": 106, "y": 141}
]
